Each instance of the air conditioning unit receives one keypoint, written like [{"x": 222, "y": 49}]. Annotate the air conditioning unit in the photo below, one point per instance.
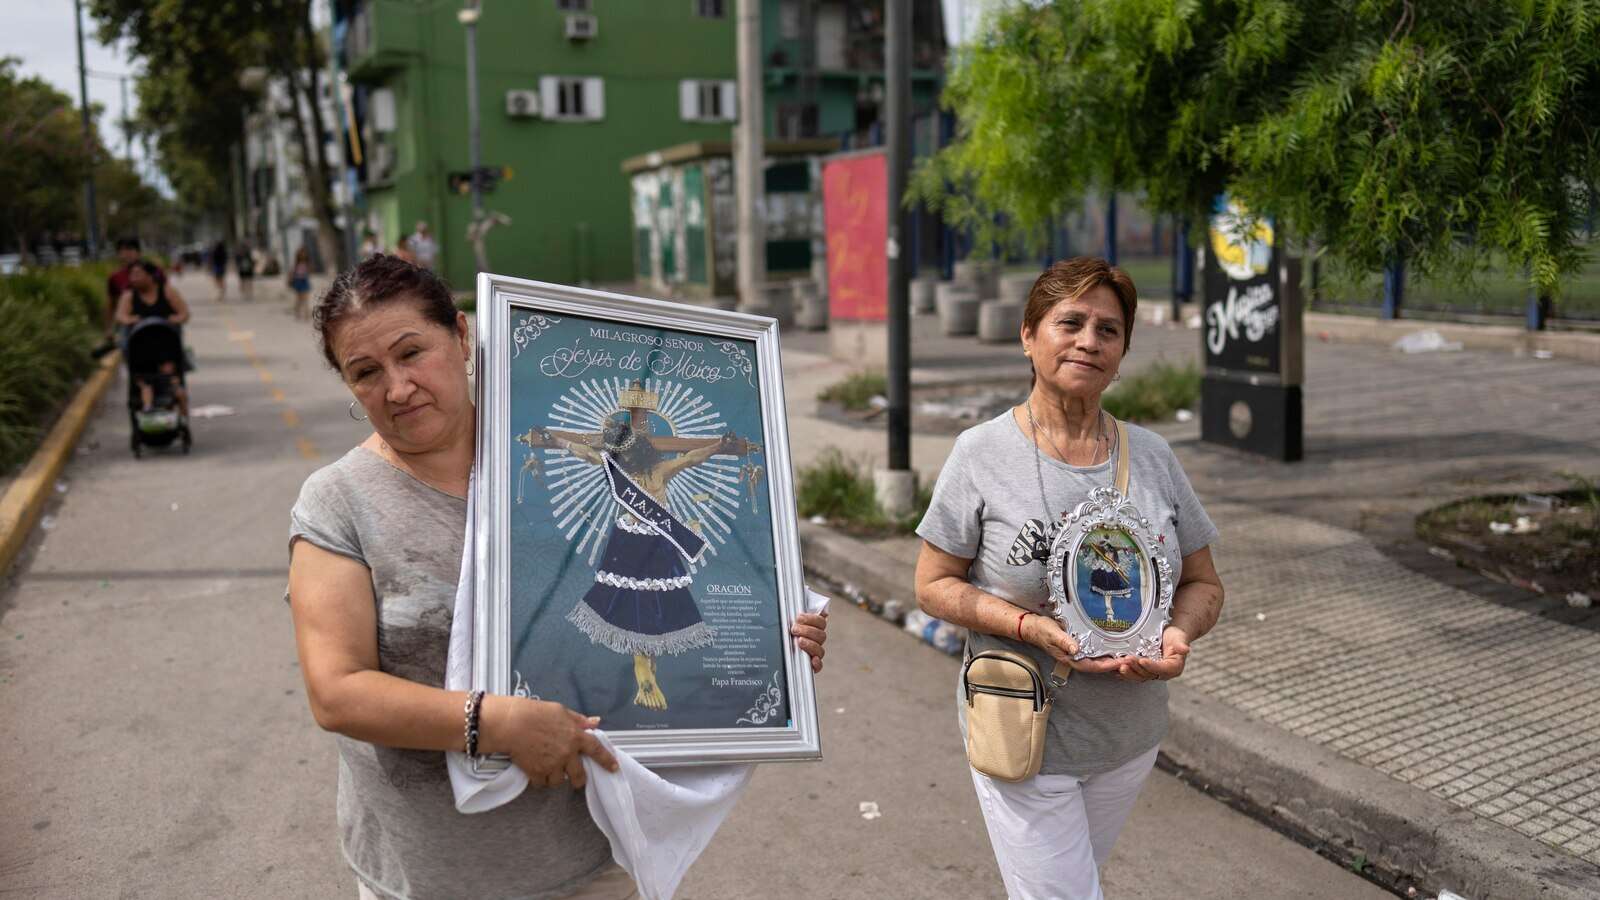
[
  {"x": 522, "y": 104},
  {"x": 582, "y": 27},
  {"x": 380, "y": 162}
]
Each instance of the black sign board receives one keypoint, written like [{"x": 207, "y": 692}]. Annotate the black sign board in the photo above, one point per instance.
[{"x": 1251, "y": 337}]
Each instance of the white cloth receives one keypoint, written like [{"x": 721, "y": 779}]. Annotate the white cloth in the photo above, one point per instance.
[
  {"x": 657, "y": 822},
  {"x": 1052, "y": 833}
]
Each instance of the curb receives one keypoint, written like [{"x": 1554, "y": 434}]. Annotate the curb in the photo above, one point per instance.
[
  {"x": 1296, "y": 784},
  {"x": 25, "y": 499},
  {"x": 874, "y": 581}
]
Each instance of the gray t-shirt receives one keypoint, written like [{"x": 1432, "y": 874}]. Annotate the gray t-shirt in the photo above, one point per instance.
[
  {"x": 397, "y": 818},
  {"x": 987, "y": 497}
]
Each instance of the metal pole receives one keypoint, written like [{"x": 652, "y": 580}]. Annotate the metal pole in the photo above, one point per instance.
[
  {"x": 346, "y": 179},
  {"x": 127, "y": 125},
  {"x": 92, "y": 233},
  {"x": 469, "y": 18},
  {"x": 898, "y": 59},
  {"x": 749, "y": 151},
  {"x": 1111, "y": 227}
]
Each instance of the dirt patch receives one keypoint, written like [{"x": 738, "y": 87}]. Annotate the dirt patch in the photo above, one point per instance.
[
  {"x": 943, "y": 409},
  {"x": 1548, "y": 544}
]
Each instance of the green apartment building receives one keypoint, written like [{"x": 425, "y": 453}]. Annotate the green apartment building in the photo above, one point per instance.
[{"x": 568, "y": 90}]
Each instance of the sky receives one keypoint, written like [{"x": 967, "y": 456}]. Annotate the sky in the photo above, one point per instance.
[{"x": 41, "y": 35}]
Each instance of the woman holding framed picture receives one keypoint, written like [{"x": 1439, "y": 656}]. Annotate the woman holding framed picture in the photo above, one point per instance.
[
  {"x": 1055, "y": 508},
  {"x": 375, "y": 547}
]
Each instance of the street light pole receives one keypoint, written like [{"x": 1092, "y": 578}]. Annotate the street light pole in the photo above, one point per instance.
[
  {"x": 896, "y": 486},
  {"x": 92, "y": 233},
  {"x": 468, "y": 17}
]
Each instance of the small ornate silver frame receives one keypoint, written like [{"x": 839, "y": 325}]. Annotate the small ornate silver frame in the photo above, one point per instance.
[{"x": 1107, "y": 510}]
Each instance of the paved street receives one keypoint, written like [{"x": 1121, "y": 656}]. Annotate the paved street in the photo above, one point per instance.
[{"x": 157, "y": 742}]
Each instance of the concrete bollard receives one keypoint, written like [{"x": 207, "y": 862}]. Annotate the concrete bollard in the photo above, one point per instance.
[
  {"x": 924, "y": 295},
  {"x": 946, "y": 289},
  {"x": 958, "y": 314},
  {"x": 1015, "y": 286},
  {"x": 999, "y": 321},
  {"x": 987, "y": 280},
  {"x": 810, "y": 308}
]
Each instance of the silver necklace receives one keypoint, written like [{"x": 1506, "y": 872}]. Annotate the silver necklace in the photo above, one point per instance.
[{"x": 1038, "y": 465}]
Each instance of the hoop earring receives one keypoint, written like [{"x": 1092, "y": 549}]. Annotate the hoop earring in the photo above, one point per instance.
[
  {"x": 1117, "y": 377},
  {"x": 469, "y": 368},
  {"x": 352, "y": 412}
]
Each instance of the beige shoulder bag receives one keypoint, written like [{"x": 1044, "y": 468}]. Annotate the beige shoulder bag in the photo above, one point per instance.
[{"x": 1009, "y": 700}]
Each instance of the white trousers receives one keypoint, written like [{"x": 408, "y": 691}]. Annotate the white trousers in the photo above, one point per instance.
[{"x": 1052, "y": 833}]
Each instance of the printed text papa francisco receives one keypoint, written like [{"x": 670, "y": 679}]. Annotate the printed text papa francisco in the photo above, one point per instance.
[{"x": 668, "y": 357}]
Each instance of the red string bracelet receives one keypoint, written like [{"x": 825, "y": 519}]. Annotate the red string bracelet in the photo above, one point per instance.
[{"x": 1024, "y": 615}]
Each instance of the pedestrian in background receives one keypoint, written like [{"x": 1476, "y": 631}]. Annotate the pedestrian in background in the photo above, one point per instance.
[
  {"x": 219, "y": 269},
  {"x": 129, "y": 253},
  {"x": 300, "y": 282},
  {"x": 424, "y": 246},
  {"x": 402, "y": 249},
  {"x": 983, "y": 566},
  {"x": 375, "y": 544},
  {"x": 369, "y": 244},
  {"x": 245, "y": 264}
]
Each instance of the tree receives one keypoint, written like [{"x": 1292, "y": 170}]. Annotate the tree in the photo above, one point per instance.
[
  {"x": 1439, "y": 132},
  {"x": 42, "y": 160},
  {"x": 194, "y": 100}
]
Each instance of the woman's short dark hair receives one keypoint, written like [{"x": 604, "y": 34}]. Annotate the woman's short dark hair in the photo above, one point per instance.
[{"x": 375, "y": 282}]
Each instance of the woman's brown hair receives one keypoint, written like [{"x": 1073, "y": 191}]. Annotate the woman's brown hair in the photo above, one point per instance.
[
  {"x": 1070, "y": 279},
  {"x": 374, "y": 282}
]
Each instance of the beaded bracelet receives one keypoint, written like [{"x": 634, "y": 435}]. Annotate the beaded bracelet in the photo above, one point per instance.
[{"x": 474, "y": 707}]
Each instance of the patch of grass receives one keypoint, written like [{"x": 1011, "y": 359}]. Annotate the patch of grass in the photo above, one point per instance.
[
  {"x": 1154, "y": 394},
  {"x": 855, "y": 392},
  {"x": 49, "y": 320},
  {"x": 839, "y": 489}
]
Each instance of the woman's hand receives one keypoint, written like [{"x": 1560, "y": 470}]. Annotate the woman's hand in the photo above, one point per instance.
[
  {"x": 1174, "y": 654},
  {"x": 545, "y": 740},
  {"x": 1047, "y": 634},
  {"x": 810, "y": 632}
]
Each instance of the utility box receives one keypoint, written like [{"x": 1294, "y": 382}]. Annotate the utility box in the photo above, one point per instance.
[{"x": 1253, "y": 338}]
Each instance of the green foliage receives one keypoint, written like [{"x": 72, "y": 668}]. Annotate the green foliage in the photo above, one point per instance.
[
  {"x": 840, "y": 490},
  {"x": 1433, "y": 130},
  {"x": 1154, "y": 394},
  {"x": 42, "y": 158},
  {"x": 48, "y": 321},
  {"x": 855, "y": 392}
]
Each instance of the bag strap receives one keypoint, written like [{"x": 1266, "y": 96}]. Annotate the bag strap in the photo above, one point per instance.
[
  {"x": 1058, "y": 678},
  {"x": 1122, "y": 457}
]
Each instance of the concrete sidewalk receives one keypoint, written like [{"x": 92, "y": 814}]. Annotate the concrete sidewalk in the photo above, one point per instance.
[{"x": 1441, "y": 730}]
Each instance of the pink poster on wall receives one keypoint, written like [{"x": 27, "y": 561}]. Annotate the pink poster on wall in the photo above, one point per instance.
[{"x": 855, "y": 201}]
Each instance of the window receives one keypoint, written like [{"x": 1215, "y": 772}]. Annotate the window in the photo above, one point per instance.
[
  {"x": 710, "y": 9},
  {"x": 568, "y": 99},
  {"x": 705, "y": 100},
  {"x": 572, "y": 5}
]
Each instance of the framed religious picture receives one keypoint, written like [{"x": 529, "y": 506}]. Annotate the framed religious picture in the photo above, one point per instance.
[
  {"x": 637, "y": 554},
  {"x": 1111, "y": 586}
]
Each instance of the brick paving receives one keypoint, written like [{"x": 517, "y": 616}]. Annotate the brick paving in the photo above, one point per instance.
[{"x": 1491, "y": 707}]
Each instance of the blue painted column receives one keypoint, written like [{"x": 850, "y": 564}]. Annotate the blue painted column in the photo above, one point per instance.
[
  {"x": 1394, "y": 288},
  {"x": 1539, "y": 307},
  {"x": 1182, "y": 268},
  {"x": 1111, "y": 228}
]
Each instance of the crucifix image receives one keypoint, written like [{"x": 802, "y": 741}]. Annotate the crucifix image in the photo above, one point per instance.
[{"x": 640, "y": 604}]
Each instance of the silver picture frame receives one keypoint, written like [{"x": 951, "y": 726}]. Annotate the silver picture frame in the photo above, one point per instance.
[
  {"x": 1111, "y": 584},
  {"x": 515, "y": 316}
]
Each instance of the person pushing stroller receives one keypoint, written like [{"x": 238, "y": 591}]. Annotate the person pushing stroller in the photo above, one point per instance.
[{"x": 158, "y": 399}]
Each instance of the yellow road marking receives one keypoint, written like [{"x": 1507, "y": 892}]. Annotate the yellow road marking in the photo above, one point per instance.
[
  {"x": 291, "y": 418},
  {"x": 307, "y": 449},
  {"x": 278, "y": 396},
  {"x": 265, "y": 375}
]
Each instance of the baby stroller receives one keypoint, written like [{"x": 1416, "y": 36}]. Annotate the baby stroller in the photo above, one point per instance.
[{"x": 154, "y": 354}]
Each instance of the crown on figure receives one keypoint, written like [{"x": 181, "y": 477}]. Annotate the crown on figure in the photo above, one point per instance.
[{"x": 636, "y": 397}]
